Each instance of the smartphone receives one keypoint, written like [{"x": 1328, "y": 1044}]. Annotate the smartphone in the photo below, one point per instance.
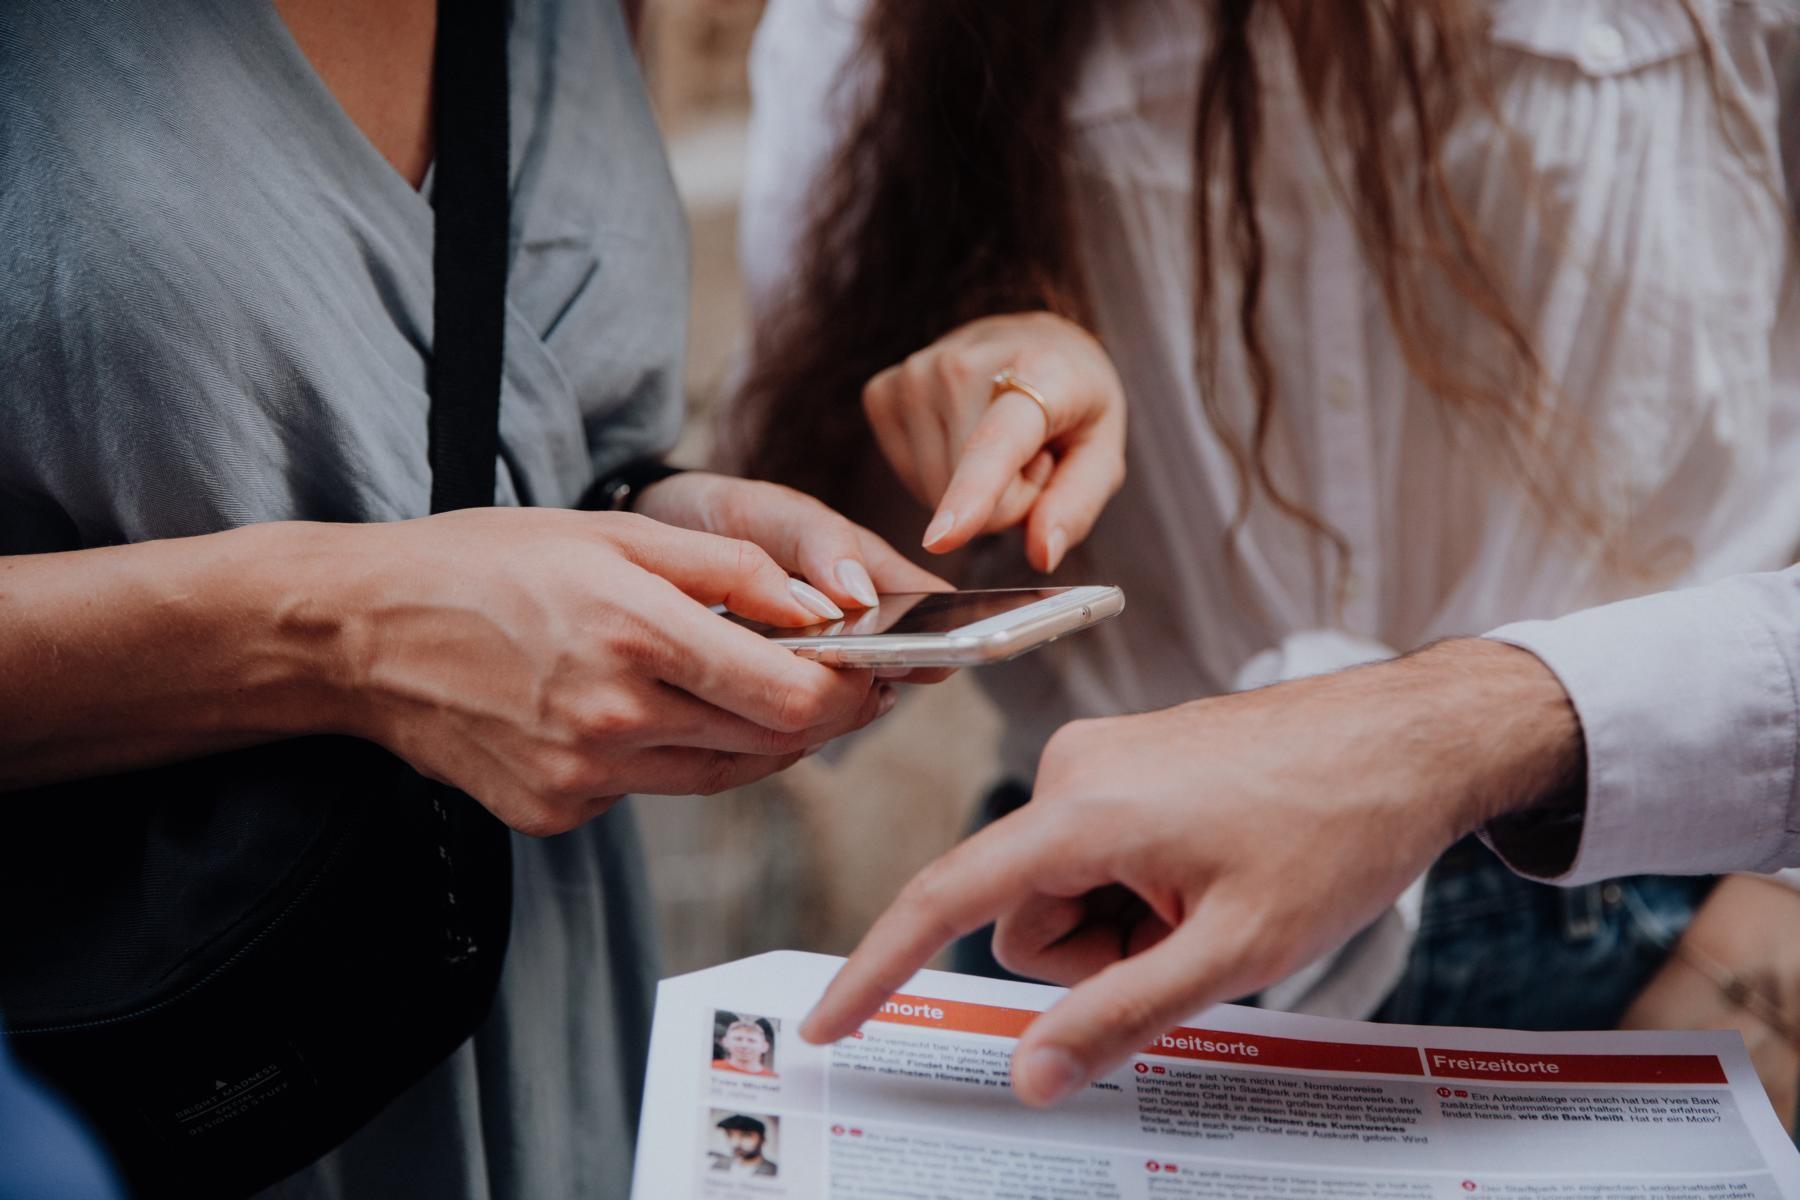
[{"x": 950, "y": 629}]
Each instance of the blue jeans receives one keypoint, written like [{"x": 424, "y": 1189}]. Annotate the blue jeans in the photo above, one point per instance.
[{"x": 1500, "y": 951}]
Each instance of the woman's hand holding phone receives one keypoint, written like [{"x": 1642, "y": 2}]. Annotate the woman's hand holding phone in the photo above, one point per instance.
[
  {"x": 985, "y": 462},
  {"x": 547, "y": 662},
  {"x": 847, "y": 564}
]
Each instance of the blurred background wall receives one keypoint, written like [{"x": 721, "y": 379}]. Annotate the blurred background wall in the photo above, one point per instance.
[{"x": 807, "y": 860}]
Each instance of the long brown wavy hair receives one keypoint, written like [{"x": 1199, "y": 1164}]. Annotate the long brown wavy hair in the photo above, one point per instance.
[{"x": 949, "y": 200}]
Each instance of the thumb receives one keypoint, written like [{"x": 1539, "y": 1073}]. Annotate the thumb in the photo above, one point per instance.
[{"x": 1120, "y": 1011}]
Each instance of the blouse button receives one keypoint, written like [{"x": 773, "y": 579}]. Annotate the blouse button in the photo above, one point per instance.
[{"x": 1605, "y": 45}]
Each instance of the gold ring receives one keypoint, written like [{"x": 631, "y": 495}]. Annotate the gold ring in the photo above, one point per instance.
[{"x": 1005, "y": 381}]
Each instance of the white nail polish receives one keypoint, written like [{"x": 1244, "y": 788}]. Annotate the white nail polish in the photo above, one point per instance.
[
  {"x": 1055, "y": 546},
  {"x": 815, "y": 600},
  {"x": 855, "y": 580},
  {"x": 939, "y": 529}
]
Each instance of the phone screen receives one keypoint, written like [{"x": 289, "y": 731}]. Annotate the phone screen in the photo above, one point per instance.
[{"x": 916, "y": 612}]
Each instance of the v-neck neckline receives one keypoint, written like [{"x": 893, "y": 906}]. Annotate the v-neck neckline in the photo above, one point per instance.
[{"x": 301, "y": 82}]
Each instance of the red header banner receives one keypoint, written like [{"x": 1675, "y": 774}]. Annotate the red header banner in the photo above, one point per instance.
[
  {"x": 1204, "y": 1045},
  {"x": 1575, "y": 1068}
]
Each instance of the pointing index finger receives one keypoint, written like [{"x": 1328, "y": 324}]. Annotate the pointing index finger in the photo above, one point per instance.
[{"x": 960, "y": 892}]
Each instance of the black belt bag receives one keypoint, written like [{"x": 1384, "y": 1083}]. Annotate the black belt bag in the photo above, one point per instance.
[{"x": 232, "y": 964}]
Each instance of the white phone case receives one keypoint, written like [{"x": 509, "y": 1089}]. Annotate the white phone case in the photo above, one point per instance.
[{"x": 990, "y": 640}]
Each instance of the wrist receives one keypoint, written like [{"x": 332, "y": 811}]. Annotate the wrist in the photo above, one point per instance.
[
  {"x": 303, "y": 590},
  {"x": 1743, "y": 923},
  {"x": 623, "y": 490},
  {"x": 689, "y": 499},
  {"x": 1511, "y": 739}
]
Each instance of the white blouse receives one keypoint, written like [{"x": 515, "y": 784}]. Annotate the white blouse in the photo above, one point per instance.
[{"x": 1649, "y": 248}]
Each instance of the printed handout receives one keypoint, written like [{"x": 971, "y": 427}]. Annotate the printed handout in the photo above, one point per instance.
[{"x": 1234, "y": 1104}]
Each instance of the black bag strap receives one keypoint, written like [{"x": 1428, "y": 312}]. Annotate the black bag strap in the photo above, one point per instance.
[{"x": 470, "y": 197}]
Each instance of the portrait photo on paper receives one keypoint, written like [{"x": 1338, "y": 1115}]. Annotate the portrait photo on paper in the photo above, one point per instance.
[
  {"x": 744, "y": 1043},
  {"x": 743, "y": 1145}
]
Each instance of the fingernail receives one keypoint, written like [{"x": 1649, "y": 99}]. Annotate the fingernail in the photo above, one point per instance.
[
  {"x": 1047, "y": 1074},
  {"x": 856, "y": 581},
  {"x": 814, "y": 599},
  {"x": 809, "y": 1028},
  {"x": 892, "y": 672},
  {"x": 1055, "y": 546},
  {"x": 939, "y": 529},
  {"x": 889, "y": 698}
]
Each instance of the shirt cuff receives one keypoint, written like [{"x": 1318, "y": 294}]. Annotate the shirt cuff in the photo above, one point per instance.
[{"x": 1687, "y": 705}]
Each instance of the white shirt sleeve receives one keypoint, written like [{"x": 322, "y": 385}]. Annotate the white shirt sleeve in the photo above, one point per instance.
[
  {"x": 1690, "y": 704},
  {"x": 802, "y": 93}
]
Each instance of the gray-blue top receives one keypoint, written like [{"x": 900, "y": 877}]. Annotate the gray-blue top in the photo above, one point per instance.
[{"x": 217, "y": 310}]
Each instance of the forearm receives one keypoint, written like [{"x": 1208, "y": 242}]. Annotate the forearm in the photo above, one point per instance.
[
  {"x": 1504, "y": 727},
  {"x": 130, "y": 656}
]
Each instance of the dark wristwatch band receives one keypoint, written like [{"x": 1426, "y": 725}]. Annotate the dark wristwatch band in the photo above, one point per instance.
[{"x": 619, "y": 491}]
